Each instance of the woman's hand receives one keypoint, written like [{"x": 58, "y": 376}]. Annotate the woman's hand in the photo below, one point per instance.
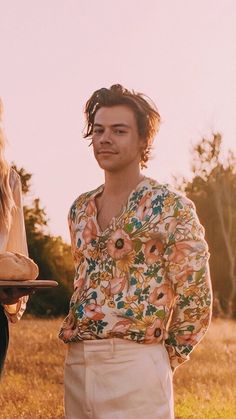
[{"x": 10, "y": 296}]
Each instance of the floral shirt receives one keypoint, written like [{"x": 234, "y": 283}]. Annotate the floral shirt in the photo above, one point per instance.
[{"x": 145, "y": 277}]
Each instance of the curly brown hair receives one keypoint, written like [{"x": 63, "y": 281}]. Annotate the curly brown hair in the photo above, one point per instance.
[{"x": 145, "y": 111}]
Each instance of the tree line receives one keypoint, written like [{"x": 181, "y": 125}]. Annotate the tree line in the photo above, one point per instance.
[
  {"x": 212, "y": 189},
  {"x": 52, "y": 255}
]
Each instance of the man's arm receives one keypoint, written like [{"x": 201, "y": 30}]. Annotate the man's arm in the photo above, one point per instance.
[{"x": 186, "y": 264}]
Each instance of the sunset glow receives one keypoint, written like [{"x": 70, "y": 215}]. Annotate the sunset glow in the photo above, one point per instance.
[{"x": 55, "y": 54}]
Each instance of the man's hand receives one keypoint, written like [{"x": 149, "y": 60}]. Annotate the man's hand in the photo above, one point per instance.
[{"x": 12, "y": 295}]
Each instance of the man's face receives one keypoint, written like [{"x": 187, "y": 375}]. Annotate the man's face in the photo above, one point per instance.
[{"x": 116, "y": 142}]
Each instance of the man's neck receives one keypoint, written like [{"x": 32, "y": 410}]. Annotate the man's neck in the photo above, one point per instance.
[{"x": 121, "y": 183}]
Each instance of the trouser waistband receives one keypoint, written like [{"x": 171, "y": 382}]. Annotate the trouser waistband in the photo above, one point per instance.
[{"x": 111, "y": 343}]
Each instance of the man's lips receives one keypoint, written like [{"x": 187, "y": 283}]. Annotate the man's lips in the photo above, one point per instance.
[{"x": 106, "y": 152}]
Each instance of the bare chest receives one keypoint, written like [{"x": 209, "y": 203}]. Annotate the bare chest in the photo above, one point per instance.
[{"x": 107, "y": 210}]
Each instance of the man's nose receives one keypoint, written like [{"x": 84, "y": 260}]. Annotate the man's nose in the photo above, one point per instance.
[{"x": 106, "y": 137}]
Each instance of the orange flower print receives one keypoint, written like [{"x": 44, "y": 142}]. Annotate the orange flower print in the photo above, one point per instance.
[
  {"x": 145, "y": 278},
  {"x": 79, "y": 283},
  {"x": 70, "y": 321},
  {"x": 115, "y": 286},
  {"x": 182, "y": 276},
  {"x": 154, "y": 332},
  {"x": 162, "y": 296},
  {"x": 205, "y": 320},
  {"x": 181, "y": 249},
  {"x": 144, "y": 206},
  {"x": 70, "y": 328},
  {"x": 153, "y": 251},
  {"x": 90, "y": 232},
  {"x": 171, "y": 225},
  {"x": 187, "y": 339},
  {"x": 78, "y": 255},
  {"x": 70, "y": 333},
  {"x": 119, "y": 244},
  {"x": 121, "y": 327},
  {"x": 90, "y": 208},
  {"x": 139, "y": 274},
  {"x": 171, "y": 352},
  {"x": 94, "y": 311}
]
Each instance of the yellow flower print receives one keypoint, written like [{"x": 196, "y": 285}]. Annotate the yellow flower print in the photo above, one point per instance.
[
  {"x": 90, "y": 208},
  {"x": 80, "y": 201},
  {"x": 78, "y": 256},
  {"x": 94, "y": 254},
  {"x": 174, "y": 268},
  {"x": 124, "y": 264},
  {"x": 131, "y": 298},
  {"x": 153, "y": 257},
  {"x": 145, "y": 322},
  {"x": 104, "y": 276},
  {"x": 127, "y": 217},
  {"x": 93, "y": 283},
  {"x": 169, "y": 201},
  {"x": 185, "y": 213},
  {"x": 192, "y": 290},
  {"x": 153, "y": 327},
  {"x": 138, "y": 309},
  {"x": 139, "y": 274},
  {"x": 111, "y": 303}
]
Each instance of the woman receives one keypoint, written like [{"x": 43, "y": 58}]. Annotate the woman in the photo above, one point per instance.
[{"x": 12, "y": 239}]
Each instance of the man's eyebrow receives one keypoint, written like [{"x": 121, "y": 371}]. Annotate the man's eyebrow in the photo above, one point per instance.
[{"x": 114, "y": 125}]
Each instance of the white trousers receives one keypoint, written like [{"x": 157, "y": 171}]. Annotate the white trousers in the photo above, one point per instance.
[{"x": 117, "y": 379}]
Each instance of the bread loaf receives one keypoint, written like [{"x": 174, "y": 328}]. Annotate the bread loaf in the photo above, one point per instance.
[{"x": 16, "y": 266}]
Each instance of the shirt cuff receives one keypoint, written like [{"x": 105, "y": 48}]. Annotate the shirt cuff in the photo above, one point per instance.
[{"x": 175, "y": 359}]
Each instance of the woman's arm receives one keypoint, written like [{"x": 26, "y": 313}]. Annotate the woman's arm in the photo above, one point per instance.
[{"x": 15, "y": 303}]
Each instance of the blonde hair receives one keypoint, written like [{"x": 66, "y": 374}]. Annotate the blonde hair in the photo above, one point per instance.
[{"x": 6, "y": 198}]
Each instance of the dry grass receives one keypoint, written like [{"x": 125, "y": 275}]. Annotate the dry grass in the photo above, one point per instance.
[{"x": 205, "y": 387}]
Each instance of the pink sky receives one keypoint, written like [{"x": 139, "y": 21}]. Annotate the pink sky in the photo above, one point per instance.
[{"x": 55, "y": 53}]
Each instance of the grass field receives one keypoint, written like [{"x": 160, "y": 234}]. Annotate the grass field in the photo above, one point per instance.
[{"x": 205, "y": 387}]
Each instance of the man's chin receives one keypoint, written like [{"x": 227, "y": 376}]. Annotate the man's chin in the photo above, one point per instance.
[{"x": 109, "y": 167}]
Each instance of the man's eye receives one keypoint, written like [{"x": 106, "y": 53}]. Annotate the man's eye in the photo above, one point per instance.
[
  {"x": 97, "y": 131},
  {"x": 119, "y": 131}
]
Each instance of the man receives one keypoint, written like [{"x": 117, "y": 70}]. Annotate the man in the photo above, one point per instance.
[{"x": 142, "y": 296}]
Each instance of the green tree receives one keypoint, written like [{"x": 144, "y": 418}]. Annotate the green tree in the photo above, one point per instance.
[
  {"x": 213, "y": 189},
  {"x": 52, "y": 255}
]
